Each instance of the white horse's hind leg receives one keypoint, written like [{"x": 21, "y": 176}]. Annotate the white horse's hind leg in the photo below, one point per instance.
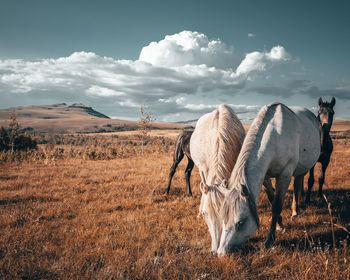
[
  {"x": 298, "y": 183},
  {"x": 310, "y": 184}
]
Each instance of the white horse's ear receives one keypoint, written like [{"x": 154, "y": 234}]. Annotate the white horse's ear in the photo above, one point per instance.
[
  {"x": 204, "y": 187},
  {"x": 320, "y": 101},
  {"x": 332, "y": 102}
]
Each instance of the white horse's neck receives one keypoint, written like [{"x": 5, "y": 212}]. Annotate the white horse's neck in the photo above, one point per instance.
[
  {"x": 256, "y": 168},
  {"x": 254, "y": 160}
]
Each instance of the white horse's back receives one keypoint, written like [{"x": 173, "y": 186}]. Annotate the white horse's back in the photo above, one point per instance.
[{"x": 295, "y": 134}]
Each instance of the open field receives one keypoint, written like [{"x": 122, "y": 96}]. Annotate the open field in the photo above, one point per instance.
[{"x": 75, "y": 217}]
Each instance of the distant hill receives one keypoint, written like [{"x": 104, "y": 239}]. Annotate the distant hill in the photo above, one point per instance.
[
  {"x": 189, "y": 122},
  {"x": 73, "y": 118}
]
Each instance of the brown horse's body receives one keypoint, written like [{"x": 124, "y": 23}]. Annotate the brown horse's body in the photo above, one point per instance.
[
  {"x": 182, "y": 148},
  {"x": 325, "y": 116}
]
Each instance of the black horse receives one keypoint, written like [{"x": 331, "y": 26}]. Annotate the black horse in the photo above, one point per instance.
[
  {"x": 325, "y": 116},
  {"x": 182, "y": 147}
]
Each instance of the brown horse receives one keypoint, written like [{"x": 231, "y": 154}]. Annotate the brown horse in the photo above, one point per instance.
[
  {"x": 325, "y": 117},
  {"x": 182, "y": 147}
]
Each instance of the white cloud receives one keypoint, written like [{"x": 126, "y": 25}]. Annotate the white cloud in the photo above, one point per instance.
[
  {"x": 188, "y": 47},
  {"x": 128, "y": 103},
  {"x": 251, "y": 35},
  {"x": 278, "y": 53},
  {"x": 184, "y": 103},
  {"x": 241, "y": 108},
  {"x": 187, "y": 63},
  {"x": 262, "y": 61},
  {"x": 102, "y": 91}
]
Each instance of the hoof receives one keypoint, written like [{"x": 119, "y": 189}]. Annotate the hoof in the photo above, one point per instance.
[
  {"x": 281, "y": 228},
  {"x": 269, "y": 243},
  {"x": 321, "y": 202},
  {"x": 294, "y": 216},
  {"x": 213, "y": 253}
]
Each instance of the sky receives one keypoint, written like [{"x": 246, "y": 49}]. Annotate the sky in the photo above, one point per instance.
[{"x": 180, "y": 59}]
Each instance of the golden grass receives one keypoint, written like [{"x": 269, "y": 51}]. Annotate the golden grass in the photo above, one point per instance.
[{"x": 109, "y": 219}]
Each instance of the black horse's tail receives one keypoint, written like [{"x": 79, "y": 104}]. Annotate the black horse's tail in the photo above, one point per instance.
[{"x": 182, "y": 144}]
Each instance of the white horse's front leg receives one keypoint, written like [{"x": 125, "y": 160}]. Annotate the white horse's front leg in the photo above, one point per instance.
[
  {"x": 271, "y": 195},
  {"x": 282, "y": 183}
]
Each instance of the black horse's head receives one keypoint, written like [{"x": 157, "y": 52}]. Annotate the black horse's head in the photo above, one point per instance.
[{"x": 326, "y": 113}]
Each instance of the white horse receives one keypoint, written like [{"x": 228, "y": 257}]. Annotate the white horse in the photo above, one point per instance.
[
  {"x": 280, "y": 143},
  {"x": 215, "y": 145}
]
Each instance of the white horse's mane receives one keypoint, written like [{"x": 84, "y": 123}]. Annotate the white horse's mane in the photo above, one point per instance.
[{"x": 229, "y": 138}]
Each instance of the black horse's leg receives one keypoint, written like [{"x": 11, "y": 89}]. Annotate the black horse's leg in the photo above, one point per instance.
[
  {"x": 188, "y": 171},
  {"x": 324, "y": 163},
  {"x": 178, "y": 156},
  {"x": 310, "y": 184}
]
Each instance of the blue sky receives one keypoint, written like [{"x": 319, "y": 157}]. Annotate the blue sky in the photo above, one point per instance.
[{"x": 92, "y": 52}]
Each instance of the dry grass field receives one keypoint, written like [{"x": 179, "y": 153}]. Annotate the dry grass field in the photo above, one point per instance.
[{"x": 82, "y": 218}]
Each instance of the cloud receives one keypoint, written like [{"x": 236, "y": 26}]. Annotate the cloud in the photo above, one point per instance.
[
  {"x": 102, "y": 91},
  {"x": 188, "y": 47},
  {"x": 315, "y": 92},
  {"x": 262, "y": 61},
  {"x": 251, "y": 35},
  {"x": 238, "y": 108},
  {"x": 301, "y": 87},
  {"x": 297, "y": 84},
  {"x": 183, "y": 104},
  {"x": 183, "y": 64},
  {"x": 273, "y": 90}
]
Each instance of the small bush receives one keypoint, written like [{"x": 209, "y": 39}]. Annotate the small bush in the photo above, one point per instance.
[{"x": 14, "y": 139}]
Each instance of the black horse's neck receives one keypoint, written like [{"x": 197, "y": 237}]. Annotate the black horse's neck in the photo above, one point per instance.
[
  {"x": 327, "y": 144},
  {"x": 326, "y": 139}
]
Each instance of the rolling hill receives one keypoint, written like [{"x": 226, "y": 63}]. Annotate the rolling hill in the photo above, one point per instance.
[{"x": 63, "y": 118}]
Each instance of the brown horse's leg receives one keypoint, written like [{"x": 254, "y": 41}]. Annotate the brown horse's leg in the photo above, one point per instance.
[
  {"x": 310, "y": 184},
  {"x": 281, "y": 188},
  {"x": 178, "y": 156},
  {"x": 324, "y": 163},
  {"x": 298, "y": 183},
  {"x": 188, "y": 171}
]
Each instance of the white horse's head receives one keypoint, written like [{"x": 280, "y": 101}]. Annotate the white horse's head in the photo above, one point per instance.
[
  {"x": 211, "y": 201},
  {"x": 239, "y": 219}
]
